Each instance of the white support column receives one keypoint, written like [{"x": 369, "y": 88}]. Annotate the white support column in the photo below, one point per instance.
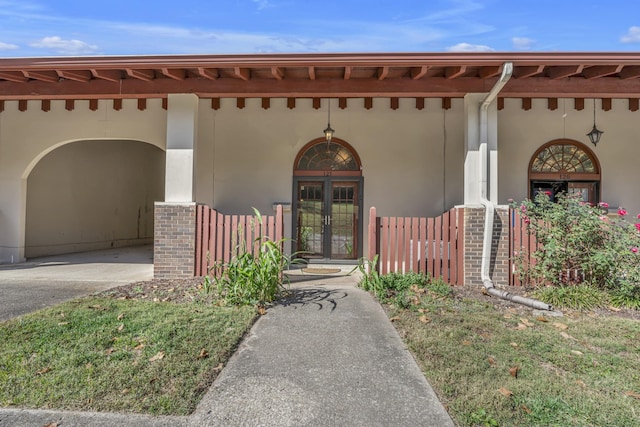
[
  {"x": 182, "y": 127},
  {"x": 475, "y": 151},
  {"x": 13, "y": 200}
]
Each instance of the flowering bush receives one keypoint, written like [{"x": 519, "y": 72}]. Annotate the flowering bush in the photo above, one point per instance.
[{"x": 580, "y": 243}]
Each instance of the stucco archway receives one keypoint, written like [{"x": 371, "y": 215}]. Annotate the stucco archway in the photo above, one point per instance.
[{"x": 92, "y": 194}]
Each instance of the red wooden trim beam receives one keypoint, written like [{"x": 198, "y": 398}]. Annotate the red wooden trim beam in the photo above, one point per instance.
[
  {"x": 76, "y": 75},
  {"x": 207, "y": 73},
  {"x": 144, "y": 75}
]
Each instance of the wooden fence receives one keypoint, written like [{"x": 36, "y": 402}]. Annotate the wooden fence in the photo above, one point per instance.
[
  {"x": 521, "y": 244},
  {"x": 430, "y": 245},
  {"x": 218, "y": 236}
]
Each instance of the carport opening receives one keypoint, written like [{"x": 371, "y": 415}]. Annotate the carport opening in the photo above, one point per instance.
[{"x": 90, "y": 195}]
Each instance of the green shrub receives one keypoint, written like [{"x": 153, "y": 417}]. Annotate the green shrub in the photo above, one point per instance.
[{"x": 580, "y": 243}]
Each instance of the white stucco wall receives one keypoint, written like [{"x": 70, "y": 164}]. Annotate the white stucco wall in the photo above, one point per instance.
[
  {"x": 522, "y": 132},
  {"x": 411, "y": 158},
  {"x": 91, "y": 195},
  {"x": 26, "y": 137}
]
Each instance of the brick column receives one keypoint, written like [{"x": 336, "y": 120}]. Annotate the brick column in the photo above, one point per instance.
[
  {"x": 473, "y": 236},
  {"x": 174, "y": 240}
]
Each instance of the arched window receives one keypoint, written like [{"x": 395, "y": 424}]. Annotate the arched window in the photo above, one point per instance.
[
  {"x": 336, "y": 158},
  {"x": 564, "y": 165}
]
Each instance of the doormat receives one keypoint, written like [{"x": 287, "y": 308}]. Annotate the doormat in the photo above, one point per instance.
[{"x": 321, "y": 270}]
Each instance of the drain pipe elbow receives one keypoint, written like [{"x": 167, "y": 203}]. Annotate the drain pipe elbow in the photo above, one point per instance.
[{"x": 488, "y": 284}]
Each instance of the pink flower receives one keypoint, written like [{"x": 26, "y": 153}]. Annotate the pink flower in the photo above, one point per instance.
[
  {"x": 622, "y": 212},
  {"x": 604, "y": 218},
  {"x": 523, "y": 208},
  {"x": 638, "y": 226},
  {"x": 634, "y": 250},
  {"x": 603, "y": 204},
  {"x": 548, "y": 193},
  {"x": 638, "y": 216},
  {"x": 527, "y": 220}
]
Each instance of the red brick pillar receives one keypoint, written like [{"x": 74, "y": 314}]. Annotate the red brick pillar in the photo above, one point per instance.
[
  {"x": 473, "y": 239},
  {"x": 174, "y": 240}
]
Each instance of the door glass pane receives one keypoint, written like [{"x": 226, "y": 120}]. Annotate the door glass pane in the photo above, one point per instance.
[
  {"x": 584, "y": 189},
  {"x": 344, "y": 220},
  {"x": 310, "y": 218}
]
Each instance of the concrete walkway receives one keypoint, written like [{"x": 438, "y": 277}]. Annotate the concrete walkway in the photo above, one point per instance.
[{"x": 325, "y": 356}]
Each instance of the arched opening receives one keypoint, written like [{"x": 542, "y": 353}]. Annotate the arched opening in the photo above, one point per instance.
[
  {"x": 327, "y": 201},
  {"x": 93, "y": 194},
  {"x": 565, "y": 166}
]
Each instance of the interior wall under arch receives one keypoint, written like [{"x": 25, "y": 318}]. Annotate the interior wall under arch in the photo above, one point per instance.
[{"x": 90, "y": 195}]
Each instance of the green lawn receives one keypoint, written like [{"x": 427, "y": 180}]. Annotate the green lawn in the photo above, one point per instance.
[
  {"x": 108, "y": 354},
  {"x": 502, "y": 365}
]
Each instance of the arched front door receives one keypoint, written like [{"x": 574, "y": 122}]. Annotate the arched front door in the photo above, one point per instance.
[
  {"x": 566, "y": 166},
  {"x": 327, "y": 201}
]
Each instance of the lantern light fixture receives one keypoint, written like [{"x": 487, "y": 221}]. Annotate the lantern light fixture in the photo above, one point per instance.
[
  {"x": 328, "y": 132},
  {"x": 595, "y": 134}
]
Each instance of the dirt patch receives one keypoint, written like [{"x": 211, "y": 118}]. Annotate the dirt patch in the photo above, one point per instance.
[{"x": 191, "y": 289}]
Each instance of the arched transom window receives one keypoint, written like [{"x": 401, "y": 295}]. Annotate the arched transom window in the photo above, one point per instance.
[
  {"x": 322, "y": 158},
  {"x": 564, "y": 160}
]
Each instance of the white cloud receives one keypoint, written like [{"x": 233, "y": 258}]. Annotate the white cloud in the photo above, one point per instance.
[
  {"x": 7, "y": 46},
  {"x": 467, "y": 47},
  {"x": 263, "y": 4},
  {"x": 632, "y": 36},
  {"x": 65, "y": 47},
  {"x": 522, "y": 43}
]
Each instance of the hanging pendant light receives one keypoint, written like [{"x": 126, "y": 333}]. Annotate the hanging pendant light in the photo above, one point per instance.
[
  {"x": 328, "y": 132},
  {"x": 595, "y": 134}
]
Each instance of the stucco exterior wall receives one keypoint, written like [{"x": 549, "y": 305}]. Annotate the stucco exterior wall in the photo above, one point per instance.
[
  {"x": 91, "y": 195},
  {"x": 28, "y": 136},
  {"x": 522, "y": 132},
  {"x": 411, "y": 159}
]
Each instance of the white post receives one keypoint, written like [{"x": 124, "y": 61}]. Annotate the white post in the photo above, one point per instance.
[
  {"x": 13, "y": 202},
  {"x": 182, "y": 127}
]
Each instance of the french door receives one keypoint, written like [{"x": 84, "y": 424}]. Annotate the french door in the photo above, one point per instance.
[{"x": 328, "y": 217}]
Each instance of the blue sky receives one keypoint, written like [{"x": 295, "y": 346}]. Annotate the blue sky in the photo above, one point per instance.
[{"x": 126, "y": 27}]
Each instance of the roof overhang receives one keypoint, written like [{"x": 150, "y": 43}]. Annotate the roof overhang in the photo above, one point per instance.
[{"x": 536, "y": 75}]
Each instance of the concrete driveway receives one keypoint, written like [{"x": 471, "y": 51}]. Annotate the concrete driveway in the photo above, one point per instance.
[{"x": 41, "y": 282}]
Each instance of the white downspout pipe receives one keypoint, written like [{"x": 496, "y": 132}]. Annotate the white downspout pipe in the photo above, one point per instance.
[{"x": 489, "y": 206}]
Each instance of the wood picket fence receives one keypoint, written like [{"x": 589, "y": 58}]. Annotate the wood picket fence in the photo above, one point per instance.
[
  {"x": 219, "y": 236},
  {"x": 418, "y": 244}
]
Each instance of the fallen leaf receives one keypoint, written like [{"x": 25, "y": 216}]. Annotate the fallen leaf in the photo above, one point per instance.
[
  {"x": 423, "y": 310},
  {"x": 508, "y": 316},
  {"x": 54, "y": 424},
  {"x": 525, "y": 409},
  {"x": 492, "y": 361},
  {"x": 567, "y": 336},
  {"x": 158, "y": 356},
  {"x": 581, "y": 383},
  {"x": 203, "y": 354},
  {"x": 616, "y": 309},
  {"x": 542, "y": 319},
  {"x": 513, "y": 371},
  {"x": 43, "y": 370},
  {"x": 156, "y": 299},
  {"x": 424, "y": 319},
  {"x": 218, "y": 368},
  {"x": 577, "y": 353},
  {"x": 394, "y": 318},
  {"x": 514, "y": 345},
  {"x": 560, "y": 325},
  {"x": 110, "y": 350},
  {"x": 526, "y": 322},
  {"x": 120, "y": 316},
  {"x": 632, "y": 394},
  {"x": 61, "y": 314},
  {"x": 121, "y": 327},
  {"x": 125, "y": 391},
  {"x": 521, "y": 327},
  {"x": 466, "y": 342},
  {"x": 505, "y": 392},
  {"x": 171, "y": 289},
  {"x": 262, "y": 311}
]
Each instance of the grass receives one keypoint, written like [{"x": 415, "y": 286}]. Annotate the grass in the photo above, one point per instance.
[
  {"x": 107, "y": 354},
  {"x": 504, "y": 366}
]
